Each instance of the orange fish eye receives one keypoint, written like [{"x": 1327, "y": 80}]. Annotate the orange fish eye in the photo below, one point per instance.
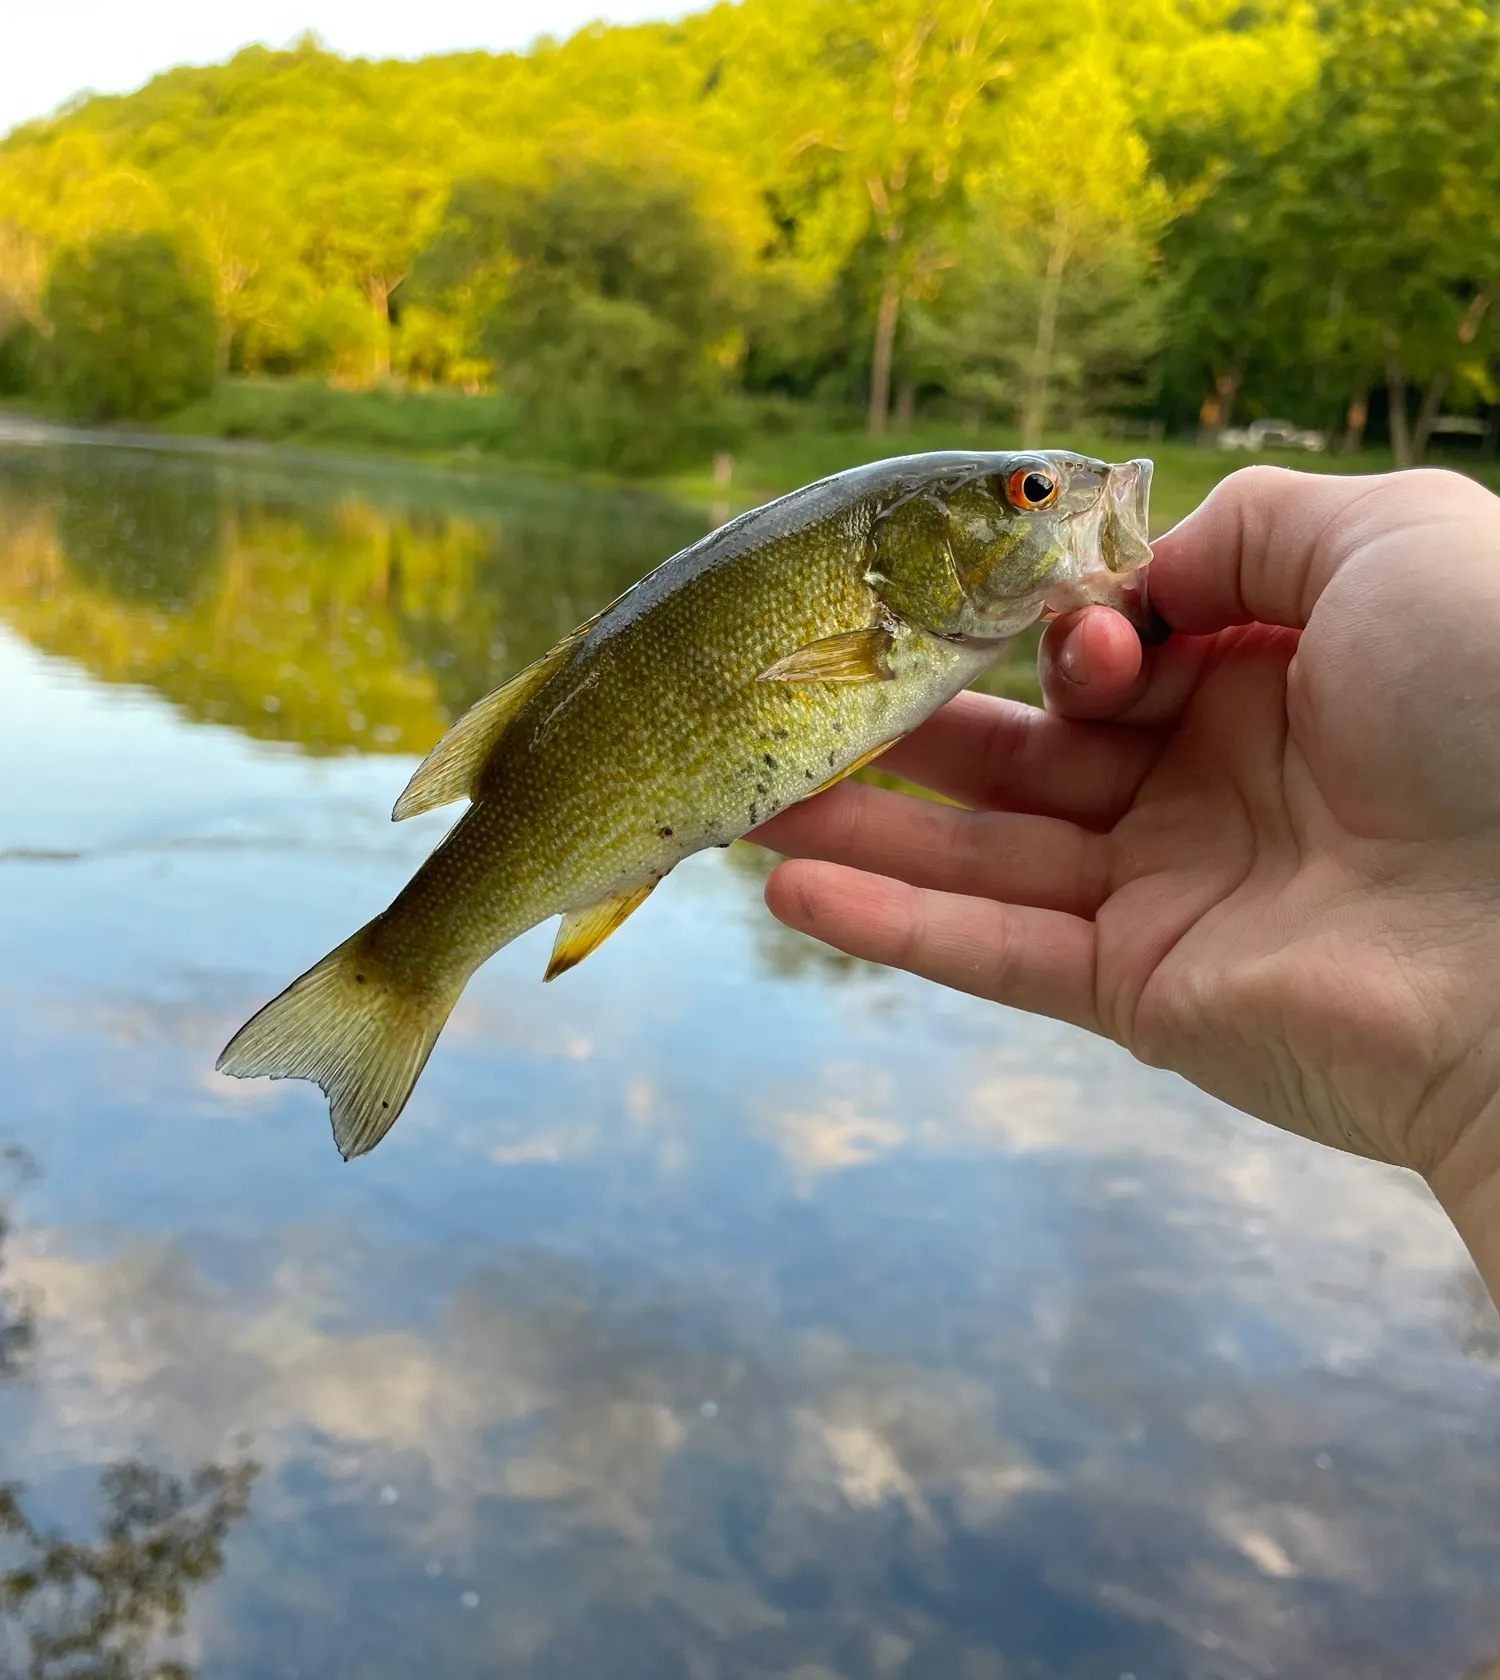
[{"x": 1031, "y": 488}]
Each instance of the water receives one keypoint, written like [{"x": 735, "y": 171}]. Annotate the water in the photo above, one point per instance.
[{"x": 724, "y": 1310}]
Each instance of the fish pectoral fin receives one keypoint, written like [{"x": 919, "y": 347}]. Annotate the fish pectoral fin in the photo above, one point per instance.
[
  {"x": 851, "y": 656},
  {"x": 451, "y": 770},
  {"x": 583, "y": 930},
  {"x": 849, "y": 769}
]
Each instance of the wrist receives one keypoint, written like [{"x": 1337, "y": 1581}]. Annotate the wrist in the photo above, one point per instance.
[{"x": 1466, "y": 1183}]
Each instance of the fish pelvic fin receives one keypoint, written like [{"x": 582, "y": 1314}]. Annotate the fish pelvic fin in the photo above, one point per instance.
[
  {"x": 348, "y": 1029},
  {"x": 584, "y": 930},
  {"x": 851, "y": 656},
  {"x": 451, "y": 770}
]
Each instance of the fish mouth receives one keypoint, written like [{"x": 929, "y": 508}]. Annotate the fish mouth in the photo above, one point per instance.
[
  {"x": 1110, "y": 548},
  {"x": 1125, "y": 543}
]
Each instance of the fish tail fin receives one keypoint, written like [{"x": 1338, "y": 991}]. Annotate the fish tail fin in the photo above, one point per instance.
[{"x": 347, "y": 1027}]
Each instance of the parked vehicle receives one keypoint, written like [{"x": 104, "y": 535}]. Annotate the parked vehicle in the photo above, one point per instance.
[{"x": 1272, "y": 434}]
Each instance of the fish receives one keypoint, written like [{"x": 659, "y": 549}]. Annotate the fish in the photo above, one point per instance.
[{"x": 750, "y": 671}]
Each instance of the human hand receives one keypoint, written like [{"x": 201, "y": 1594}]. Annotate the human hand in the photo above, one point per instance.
[{"x": 1265, "y": 854}]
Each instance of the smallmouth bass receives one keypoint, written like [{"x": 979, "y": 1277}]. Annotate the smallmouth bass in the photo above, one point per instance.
[{"x": 752, "y": 670}]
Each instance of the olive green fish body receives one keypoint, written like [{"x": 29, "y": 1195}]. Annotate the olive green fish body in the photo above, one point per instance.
[
  {"x": 743, "y": 674},
  {"x": 657, "y": 740}
]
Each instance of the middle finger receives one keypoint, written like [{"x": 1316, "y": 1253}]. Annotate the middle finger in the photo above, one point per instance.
[{"x": 994, "y": 754}]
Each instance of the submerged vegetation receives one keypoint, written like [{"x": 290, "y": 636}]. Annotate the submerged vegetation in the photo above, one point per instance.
[{"x": 646, "y": 244}]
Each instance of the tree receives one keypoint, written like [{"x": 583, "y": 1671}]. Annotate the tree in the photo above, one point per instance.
[
  {"x": 463, "y": 271},
  {"x": 1225, "y": 255},
  {"x": 1078, "y": 242},
  {"x": 243, "y": 233},
  {"x": 613, "y": 306},
  {"x": 58, "y": 188},
  {"x": 367, "y": 224},
  {"x": 1390, "y": 183},
  {"x": 20, "y": 354},
  {"x": 133, "y": 326},
  {"x": 971, "y": 197},
  {"x": 903, "y": 82}
]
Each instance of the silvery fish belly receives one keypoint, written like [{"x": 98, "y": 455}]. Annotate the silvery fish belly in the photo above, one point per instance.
[{"x": 745, "y": 673}]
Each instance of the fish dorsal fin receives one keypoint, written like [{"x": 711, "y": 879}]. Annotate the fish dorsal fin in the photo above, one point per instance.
[
  {"x": 583, "y": 930},
  {"x": 851, "y": 656},
  {"x": 452, "y": 768}
]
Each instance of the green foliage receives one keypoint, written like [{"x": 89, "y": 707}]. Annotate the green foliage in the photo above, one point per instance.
[
  {"x": 20, "y": 357},
  {"x": 388, "y": 417},
  {"x": 608, "y": 308},
  {"x": 1202, "y": 212},
  {"x": 1390, "y": 184},
  {"x": 133, "y": 327}
]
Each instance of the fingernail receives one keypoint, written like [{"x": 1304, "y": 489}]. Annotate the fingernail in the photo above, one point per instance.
[{"x": 1072, "y": 661}]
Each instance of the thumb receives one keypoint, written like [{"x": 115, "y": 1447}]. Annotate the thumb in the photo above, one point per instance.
[{"x": 1266, "y": 543}]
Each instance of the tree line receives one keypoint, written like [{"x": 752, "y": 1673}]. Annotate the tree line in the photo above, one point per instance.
[{"x": 1177, "y": 213}]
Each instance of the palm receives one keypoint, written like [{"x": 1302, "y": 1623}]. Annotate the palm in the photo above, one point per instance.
[{"x": 1222, "y": 924}]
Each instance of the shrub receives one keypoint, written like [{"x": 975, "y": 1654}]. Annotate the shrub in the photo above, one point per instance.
[
  {"x": 133, "y": 327},
  {"x": 20, "y": 346}
]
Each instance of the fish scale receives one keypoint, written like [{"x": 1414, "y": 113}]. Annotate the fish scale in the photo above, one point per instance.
[{"x": 743, "y": 674}]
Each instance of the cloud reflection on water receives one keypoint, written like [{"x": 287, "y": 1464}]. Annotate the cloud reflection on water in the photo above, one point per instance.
[{"x": 611, "y": 1454}]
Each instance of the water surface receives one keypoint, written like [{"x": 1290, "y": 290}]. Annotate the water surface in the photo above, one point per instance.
[{"x": 723, "y": 1311}]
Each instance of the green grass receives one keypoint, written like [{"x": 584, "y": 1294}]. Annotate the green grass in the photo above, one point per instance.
[
  {"x": 771, "y": 463},
  {"x": 306, "y": 411},
  {"x": 782, "y": 445}
]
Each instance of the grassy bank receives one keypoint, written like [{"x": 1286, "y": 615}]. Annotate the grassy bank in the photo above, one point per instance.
[
  {"x": 307, "y": 411},
  {"x": 781, "y": 445},
  {"x": 773, "y": 463}
]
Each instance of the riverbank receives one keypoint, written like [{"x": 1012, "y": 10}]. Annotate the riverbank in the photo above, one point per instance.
[{"x": 781, "y": 446}]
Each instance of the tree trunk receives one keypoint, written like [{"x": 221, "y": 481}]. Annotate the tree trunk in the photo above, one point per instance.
[
  {"x": 1217, "y": 409},
  {"x": 379, "y": 291},
  {"x": 886, "y": 317},
  {"x": 223, "y": 341},
  {"x": 1395, "y": 382},
  {"x": 1034, "y": 414},
  {"x": 1356, "y": 417},
  {"x": 1432, "y": 401},
  {"x": 906, "y": 404},
  {"x": 1227, "y": 387}
]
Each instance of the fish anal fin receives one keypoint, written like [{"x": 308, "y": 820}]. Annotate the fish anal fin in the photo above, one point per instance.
[
  {"x": 583, "y": 930},
  {"x": 850, "y": 656},
  {"x": 849, "y": 769},
  {"x": 451, "y": 770}
]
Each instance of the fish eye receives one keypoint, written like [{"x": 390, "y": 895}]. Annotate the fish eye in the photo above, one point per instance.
[{"x": 1031, "y": 488}]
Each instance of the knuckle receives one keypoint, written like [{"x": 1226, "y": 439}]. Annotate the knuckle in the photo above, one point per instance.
[
  {"x": 908, "y": 929},
  {"x": 1001, "y": 960}
]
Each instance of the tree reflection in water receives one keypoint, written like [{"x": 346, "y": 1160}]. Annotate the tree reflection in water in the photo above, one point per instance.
[
  {"x": 97, "y": 1609},
  {"x": 100, "y": 1609}
]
